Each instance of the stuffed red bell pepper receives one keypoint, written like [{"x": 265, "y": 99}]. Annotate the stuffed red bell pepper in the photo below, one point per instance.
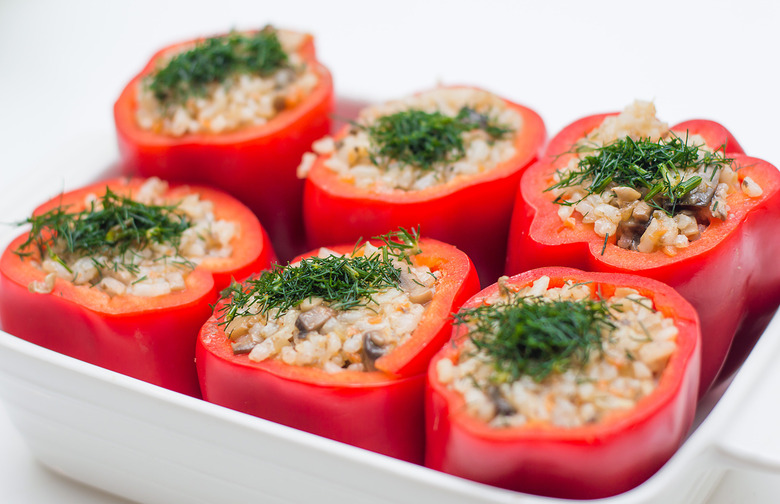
[
  {"x": 235, "y": 112},
  {"x": 447, "y": 160},
  {"x": 684, "y": 205},
  {"x": 122, "y": 273},
  {"x": 337, "y": 344},
  {"x": 564, "y": 383}
]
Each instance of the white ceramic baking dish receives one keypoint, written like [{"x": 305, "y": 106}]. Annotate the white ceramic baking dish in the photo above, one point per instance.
[{"x": 155, "y": 446}]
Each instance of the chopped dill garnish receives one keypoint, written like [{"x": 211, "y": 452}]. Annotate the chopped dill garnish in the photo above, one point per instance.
[
  {"x": 140, "y": 279},
  {"x": 399, "y": 245},
  {"x": 536, "y": 337},
  {"x": 655, "y": 168},
  {"x": 343, "y": 282},
  {"x": 213, "y": 60},
  {"x": 112, "y": 225},
  {"x": 426, "y": 139}
]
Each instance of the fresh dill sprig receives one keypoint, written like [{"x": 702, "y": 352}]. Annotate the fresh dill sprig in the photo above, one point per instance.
[
  {"x": 344, "y": 282},
  {"x": 113, "y": 225},
  {"x": 655, "y": 168},
  {"x": 536, "y": 337},
  {"x": 213, "y": 60},
  {"x": 400, "y": 245},
  {"x": 426, "y": 139}
]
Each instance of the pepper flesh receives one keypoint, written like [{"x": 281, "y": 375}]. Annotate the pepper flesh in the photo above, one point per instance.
[
  {"x": 149, "y": 338},
  {"x": 591, "y": 461},
  {"x": 255, "y": 164},
  {"x": 472, "y": 213},
  {"x": 381, "y": 410},
  {"x": 730, "y": 274}
]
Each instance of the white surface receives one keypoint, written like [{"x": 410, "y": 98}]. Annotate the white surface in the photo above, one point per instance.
[
  {"x": 62, "y": 64},
  {"x": 159, "y": 447}
]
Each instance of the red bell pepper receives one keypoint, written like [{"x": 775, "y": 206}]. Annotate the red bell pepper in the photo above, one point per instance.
[
  {"x": 256, "y": 164},
  {"x": 149, "y": 338},
  {"x": 730, "y": 274},
  {"x": 591, "y": 461},
  {"x": 471, "y": 213},
  {"x": 381, "y": 410}
]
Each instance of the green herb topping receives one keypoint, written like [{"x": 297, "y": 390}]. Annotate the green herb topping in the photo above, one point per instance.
[
  {"x": 113, "y": 225},
  {"x": 426, "y": 139},
  {"x": 655, "y": 168},
  {"x": 343, "y": 282},
  {"x": 213, "y": 60},
  {"x": 536, "y": 337}
]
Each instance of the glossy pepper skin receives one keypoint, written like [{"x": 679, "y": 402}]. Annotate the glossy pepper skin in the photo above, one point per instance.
[
  {"x": 472, "y": 213},
  {"x": 730, "y": 274},
  {"x": 149, "y": 338},
  {"x": 381, "y": 411},
  {"x": 591, "y": 461},
  {"x": 256, "y": 164}
]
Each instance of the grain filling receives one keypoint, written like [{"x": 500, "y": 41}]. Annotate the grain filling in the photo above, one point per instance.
[
  {"x": 333, "y": 312},
  {"x": 422, "y": 141},
  {"x": 648, "y": 187},
  {"x": 107, "y": 248},
  {"x": 616, "y": 370}
]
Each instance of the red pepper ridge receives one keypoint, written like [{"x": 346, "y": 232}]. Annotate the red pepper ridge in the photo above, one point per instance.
[
  {"x": 729, "y": 274},
  {"x": 380, "y": 411},
  {"x": 256, "y": 164},
  {"x": 149, "y": 338},
  {"x": 472, "y": 213},
  {"x": 591, "y": 461}
]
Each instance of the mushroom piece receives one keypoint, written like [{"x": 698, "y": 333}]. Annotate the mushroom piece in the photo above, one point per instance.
[
  {"x": 418, "y": 293},
  {"x": 373, "y": 348},
  {"x": 314, "y": 319},
  {"x": 472, "y": 116},
  {"x": 642, "y": 212},
  {"x": 243, "y": 345},
  {"x": 503, "y": 407},
  {"x": 701, "y": 196},
  {"x": 626, "y": 194},
  {"x": 310, "y": 302},
  {"x": 279, "y": 103},
  {"x": 238, "y": 327},
  {"x": 284, "y": 77},
  {"x": 630, "y": 232}
]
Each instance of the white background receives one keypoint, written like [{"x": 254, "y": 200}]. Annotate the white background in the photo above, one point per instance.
[{"x": 62, "y": 65}]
